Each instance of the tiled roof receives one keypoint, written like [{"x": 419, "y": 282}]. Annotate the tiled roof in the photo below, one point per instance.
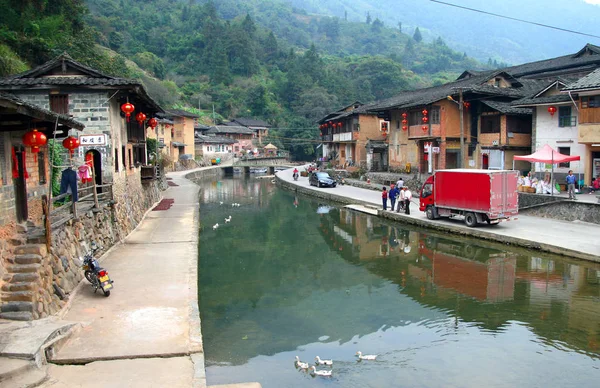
[
  {"x": 529, "y": 101},
  {"x": 11, "y": 101},
  {"x": 590, "y": 81},
  {"x": 182, "y": 113},
  {"x": 229, "y": 129},
  {"x": 201, "y": 139},
  {"x": 55, "y": 73},
  {"x": 246, "y": 122},
  {"x": 507, "y": 108}
]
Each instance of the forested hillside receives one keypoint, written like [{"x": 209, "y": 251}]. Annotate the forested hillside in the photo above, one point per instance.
[{"x": 251, "y": 58}]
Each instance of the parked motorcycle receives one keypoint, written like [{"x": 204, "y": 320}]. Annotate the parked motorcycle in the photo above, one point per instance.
[{"x": 95, "y": 274}]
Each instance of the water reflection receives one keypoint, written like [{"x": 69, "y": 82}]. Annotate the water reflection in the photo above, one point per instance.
[{"x": 285, "y": 279}]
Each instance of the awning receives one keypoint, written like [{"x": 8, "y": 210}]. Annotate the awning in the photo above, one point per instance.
[
  {"x": 547, "y": 155},
  {"x": 177, "y": 144}
]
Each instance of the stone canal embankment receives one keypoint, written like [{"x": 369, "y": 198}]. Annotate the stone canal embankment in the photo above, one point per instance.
[{"x": 575, "y": 236}]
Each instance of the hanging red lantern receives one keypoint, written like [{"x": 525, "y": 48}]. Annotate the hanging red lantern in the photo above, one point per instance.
[
  {"x": 467, "y": 104},
  {"x": 424, "y": 128},
  {"x": 552, "y": 110},
  {"x": 404, "y": 128},
  {"x": 425, "y": 119},
  {"x": 405, "y": 121},
  {"x": 340, "y": 124},
  {"x": 153, "y": 123},
  {"x": 140, "y": 118},
  {"x": 71, "y": 143},
  {"x": 35, "y": 140},
  {"x": 424, "y": 112},
  {"x": 128, "y": 109},
  {"x": 404, "y": 115},
  {"x": 384, "y": 134}
]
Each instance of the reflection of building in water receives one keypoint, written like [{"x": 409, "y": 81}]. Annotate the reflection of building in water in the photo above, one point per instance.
[{"x": 478, "y": 272}]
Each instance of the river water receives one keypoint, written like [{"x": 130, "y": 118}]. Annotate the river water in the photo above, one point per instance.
[{"x": 289, "y": 276}]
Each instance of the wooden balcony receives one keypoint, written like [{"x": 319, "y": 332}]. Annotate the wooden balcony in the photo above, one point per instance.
[{"x": 589, "y": 116}]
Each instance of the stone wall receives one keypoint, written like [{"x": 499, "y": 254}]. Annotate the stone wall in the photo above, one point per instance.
[
  {"x": 38, "y": 283},
  {"x": 567, "y": 211},
  {"x": 527, "y": 200}
]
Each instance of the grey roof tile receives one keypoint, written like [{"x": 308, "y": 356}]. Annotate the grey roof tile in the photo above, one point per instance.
[{"x": 590, "y": 81}]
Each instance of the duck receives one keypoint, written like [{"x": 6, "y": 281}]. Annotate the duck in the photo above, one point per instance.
[
  {"x": 221, "y": 202},
  {"x": 300, "y": 364},
  {"x": 325, "y": 373},
  {"x": 215, "y": 226},
  {"x": 323, "y": 362},
  {"x": 228, "y": 219},
  {"x": 366, "y": 356}
]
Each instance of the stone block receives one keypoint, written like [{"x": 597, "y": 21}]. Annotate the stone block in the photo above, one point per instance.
[
  {"x": 59, "y": 292},
  {"x": 24, "y": 268},
  {"x": 36, "y": 249},
  {"x": 28, "y": 259},
  {"x": 18, "y": 316},
  {"x": 23, "y": 286},
  {"x": 25, "y": 277},
  {"x": 18, "y": 296},
  {"x": 16, "y": 306}
]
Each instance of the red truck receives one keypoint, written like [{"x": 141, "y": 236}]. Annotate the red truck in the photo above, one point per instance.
[{"x": 476, "y": 195}]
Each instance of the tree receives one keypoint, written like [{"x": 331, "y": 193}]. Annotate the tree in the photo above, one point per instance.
[
  {"x": 400, "y": 26},
  {"x": 368, "y": 18},
  {"x": 377, "y": 26},
  {"x": 417, "y": 35}
]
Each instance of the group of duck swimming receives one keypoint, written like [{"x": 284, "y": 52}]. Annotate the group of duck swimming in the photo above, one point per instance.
[{"x": 328, "y": 372}]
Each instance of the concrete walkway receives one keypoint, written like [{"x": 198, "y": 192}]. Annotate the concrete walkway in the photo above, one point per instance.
[
  {"x": 574, "y": 239},
  {"x": 147, "y": 333}
]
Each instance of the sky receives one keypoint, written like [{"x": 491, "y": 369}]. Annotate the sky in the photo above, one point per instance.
[{"x": 595, "y": 2}]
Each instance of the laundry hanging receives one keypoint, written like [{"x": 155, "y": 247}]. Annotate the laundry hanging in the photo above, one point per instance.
[
  {"x": 85, "y": 173},
  {"x": 68, "y": 183}
]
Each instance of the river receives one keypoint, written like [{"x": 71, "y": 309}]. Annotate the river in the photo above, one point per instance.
[{"x": 290, "y": 276}]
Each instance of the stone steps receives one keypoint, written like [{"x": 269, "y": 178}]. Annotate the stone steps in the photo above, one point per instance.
[
  {"x": 17, "y": 315},
  {"x": 28, "y": 259},
  {"x": 20, "y": 373},
  {"x": 23, "y": 268},
  {"x": 19, "y": 286}
]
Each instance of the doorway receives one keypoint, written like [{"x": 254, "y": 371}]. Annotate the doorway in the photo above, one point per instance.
[
  {"x": 485, "y": 161},
  {"x": 20, "y": 182},
  {"x": 93, "y": 158}
]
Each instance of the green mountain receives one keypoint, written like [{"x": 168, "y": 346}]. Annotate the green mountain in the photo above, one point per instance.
[{"x": 253, "y": 58}]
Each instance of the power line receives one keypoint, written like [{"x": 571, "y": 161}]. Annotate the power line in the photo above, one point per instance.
[{"x": 515, "y": 19}]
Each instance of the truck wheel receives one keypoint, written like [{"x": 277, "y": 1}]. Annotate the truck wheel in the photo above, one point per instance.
[
  {"x": 470, "y": 219},
  {"x": 429, "y": 213}
]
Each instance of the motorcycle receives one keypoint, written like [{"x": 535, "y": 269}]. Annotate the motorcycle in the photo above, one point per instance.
[
  {"x": 295, "y": 176},
  {"x": 340, "y": 180},
  {"x": 95, "y": 274}
]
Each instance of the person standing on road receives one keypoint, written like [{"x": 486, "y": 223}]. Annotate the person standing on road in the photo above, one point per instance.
[
  {"x": 571, "y": 184},
  {"x": 384, "y": 197},
  {"x": 393, "y": 194},
  {"x": 407, "y": 198},
  {"x": 400, "y": 199},
  {"x": 400, "y": 183}
]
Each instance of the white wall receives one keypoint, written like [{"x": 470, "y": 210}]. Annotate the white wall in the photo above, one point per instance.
[{"x": 548, "y": 132}]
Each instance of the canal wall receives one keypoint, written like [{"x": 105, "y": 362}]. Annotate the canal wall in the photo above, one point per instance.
[{"x": 458, "y": 229}]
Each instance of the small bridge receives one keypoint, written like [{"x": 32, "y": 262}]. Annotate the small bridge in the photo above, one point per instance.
[{"x": 269, "y": 162}]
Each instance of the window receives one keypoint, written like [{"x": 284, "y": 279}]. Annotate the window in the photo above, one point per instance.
[
  {"x": 41, "y": 167},
  {"x": 564, "y": 151},
  {"x": 590, "y": 102},
  {"x": 490, "y": 124},
  {"x": 497, "y": 82},
  {"x": 414, "y": 117},
  {"x": 564, "y": 117},
  {"x": 59, "y": 103},
  {"x": 434, "y": 115}
]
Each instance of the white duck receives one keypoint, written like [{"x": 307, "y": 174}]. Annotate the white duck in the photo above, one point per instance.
[
  {"x": 215, "y": 226},
  {"x": 323, "y": 362},
  {"x": 300, "y": 364},
  {"x": 228, "y": 219},
  {"x": 325, "y": 373},
  {"x": 366, "y": 356},
  {"x": 221, "y": 202}
]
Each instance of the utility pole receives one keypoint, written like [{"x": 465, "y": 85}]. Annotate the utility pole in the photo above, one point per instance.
[{"x": 462, "y": 129}]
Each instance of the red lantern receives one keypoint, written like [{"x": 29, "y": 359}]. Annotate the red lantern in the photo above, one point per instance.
[
  {"x": 424, "y": 112},
  {"x": 384, "y": 134},
  {"x": 140, "y": 118},
  {"x": 405, "y": 121},
  {"x": 71, "y": 143},
  {"x": 425, "y": 119},
  {"x": 35, "y": 140},
  {"x": 424, "y": 128},
  {"x": 128, "y": 109},
  {"x": 467, "y": 104},
  {"x": 404, "y": 115},
  {"x": 153, "y": 123},
  {"x": 340, "y": 124},
  {"x": 552, "y": 110},
  {"x": 404, "y": 128}
]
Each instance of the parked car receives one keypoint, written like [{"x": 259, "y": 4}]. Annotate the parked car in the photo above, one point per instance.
[{"x": 321, "y": 179}]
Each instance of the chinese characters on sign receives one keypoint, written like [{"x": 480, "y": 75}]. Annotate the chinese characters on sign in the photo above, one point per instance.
[{"x": 92, "y": 140}]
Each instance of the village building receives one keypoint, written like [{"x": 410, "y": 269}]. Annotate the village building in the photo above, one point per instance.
[
  {"x": 243, "y": 137},
  {"x": 354, "y": 137},
  {"x": 182, "y": 141},
  {"x": 163, "y": 133},
  {"x": 25, "y": 173},
  {"x": 213, "y": 146},
  {"x": 259, "y": 127}
]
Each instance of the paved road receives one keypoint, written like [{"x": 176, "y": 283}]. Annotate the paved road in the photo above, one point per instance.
[{"x": 582, "y": 240}]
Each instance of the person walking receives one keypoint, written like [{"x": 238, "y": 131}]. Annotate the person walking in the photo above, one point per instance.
[
  {"x": 384, "y": 197},
  {"x": 400, "y": 183},
  {"x": 571, "y": 184},
  {"x": 407, "y": 198},
  {"x": 392, "y": 195}
]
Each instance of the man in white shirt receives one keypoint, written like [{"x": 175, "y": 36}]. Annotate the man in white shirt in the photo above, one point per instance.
[
  {"x": 401, "y": 199},
  {"x": 400, "y": 183},
  {"x": 407, "y": 198}
]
